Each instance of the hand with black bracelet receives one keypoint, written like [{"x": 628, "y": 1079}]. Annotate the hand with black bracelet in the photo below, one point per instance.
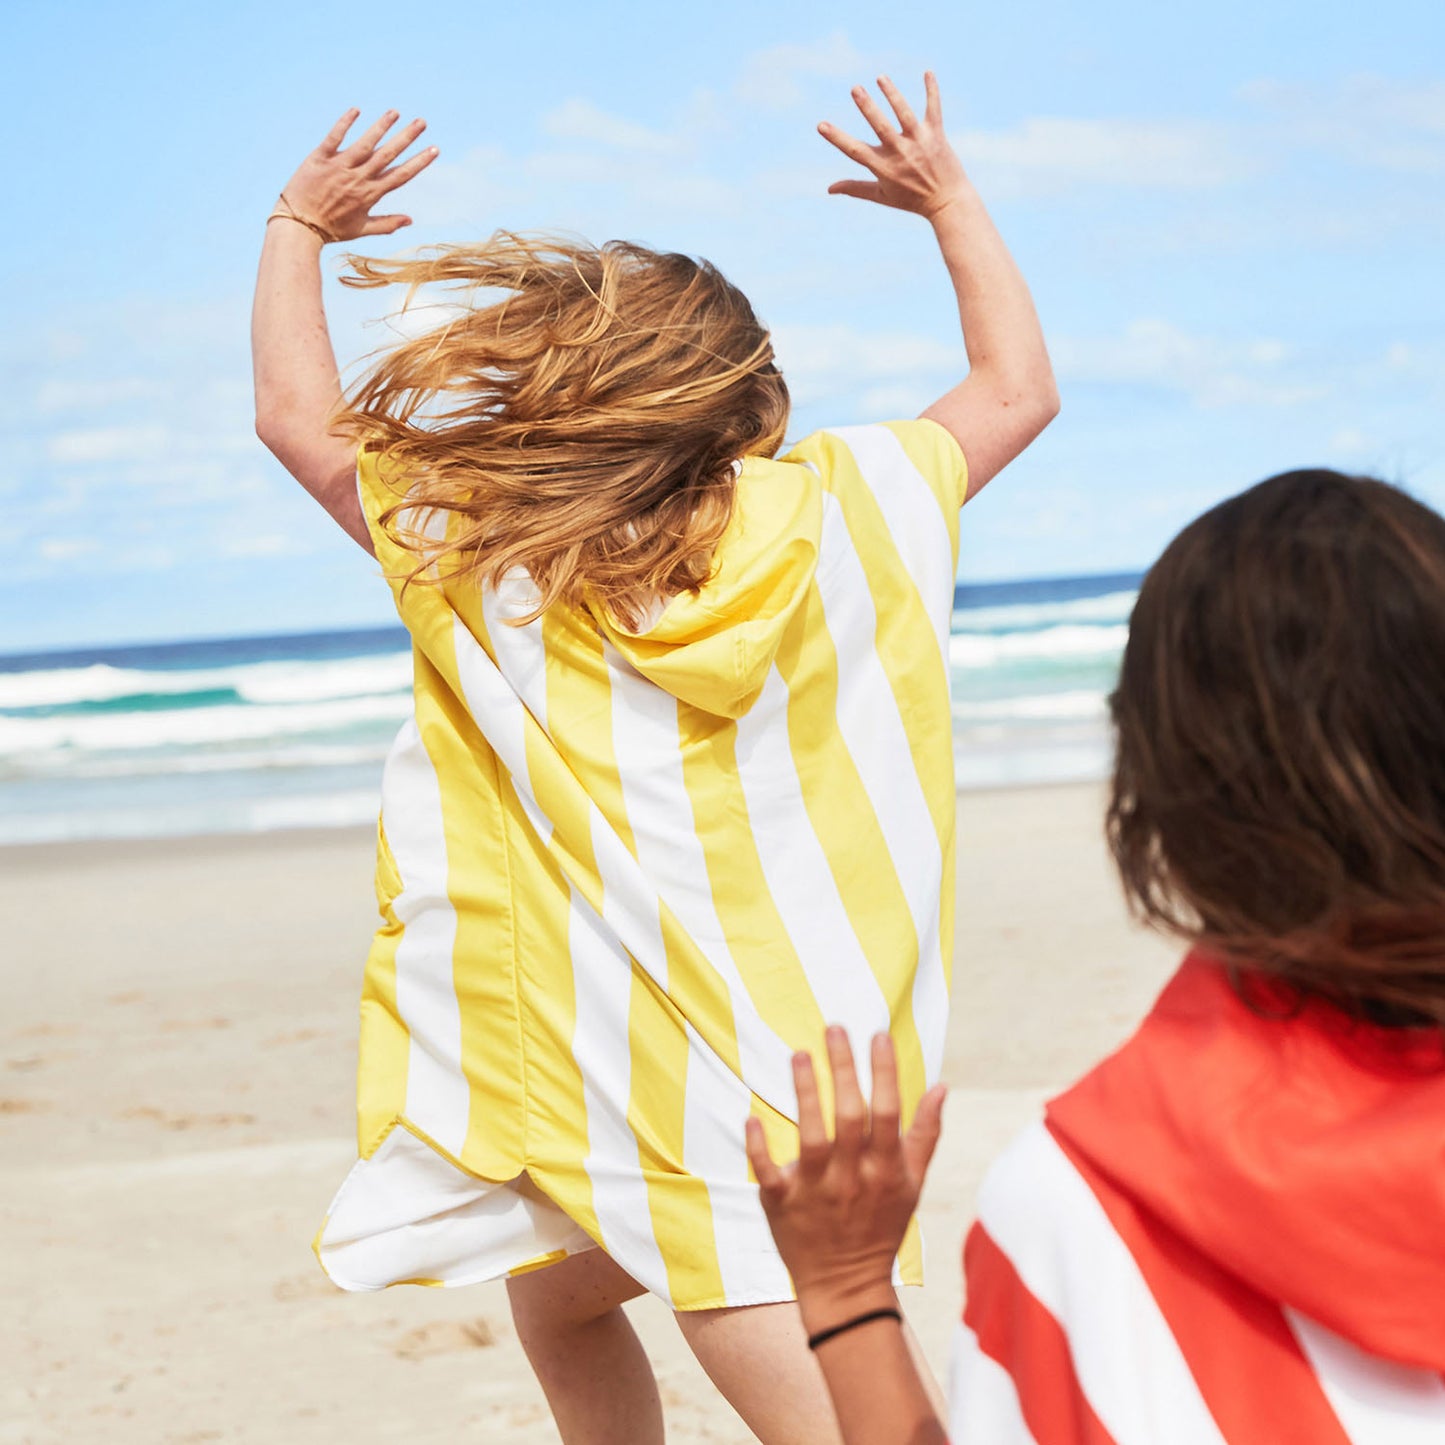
[{"x": 839, "y": 1214}]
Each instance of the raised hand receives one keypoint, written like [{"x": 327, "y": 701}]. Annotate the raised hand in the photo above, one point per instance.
[
  {"x": 334, "y": 189},
  {"x": 840, "y": 1212},
  {"x": 914, "y": 167}
]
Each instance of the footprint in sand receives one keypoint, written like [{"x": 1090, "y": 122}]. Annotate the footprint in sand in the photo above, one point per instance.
[
  {"x": 22, "y": 1106},
  {"x": 304, "y": 1286},
  {"x": 168, "y": 1120},
  {"x": 444, "y": 1337}
]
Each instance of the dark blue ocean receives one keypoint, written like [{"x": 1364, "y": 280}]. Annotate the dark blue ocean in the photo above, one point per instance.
[{"x": 253, "y": 733}]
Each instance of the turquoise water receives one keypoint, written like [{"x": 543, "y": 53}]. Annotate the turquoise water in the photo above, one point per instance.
[{"x": 250, "y": 734}]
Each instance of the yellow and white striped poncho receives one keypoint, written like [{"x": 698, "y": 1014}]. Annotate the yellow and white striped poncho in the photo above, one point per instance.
[{"x": 624, "y": 876}]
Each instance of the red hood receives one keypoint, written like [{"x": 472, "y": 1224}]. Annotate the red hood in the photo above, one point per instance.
[{"x": 1304, "y": 1154}]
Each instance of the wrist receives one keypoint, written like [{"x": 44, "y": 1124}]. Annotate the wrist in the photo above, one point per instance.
[
  {"x": 293, "y": 233},
  {"x": 285, "y": 211},
  {"x": 951, "y": 205},
  {"x": 824, "y": 1307}
]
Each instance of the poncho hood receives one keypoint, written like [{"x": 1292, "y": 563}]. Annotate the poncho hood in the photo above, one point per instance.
[
  {"x": 714, "y": 648},
  {"x": 1299, "y": 1148}
]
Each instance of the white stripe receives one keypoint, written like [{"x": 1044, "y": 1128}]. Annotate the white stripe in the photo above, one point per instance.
[
  {"x": 800, "y": 879},
  {"x": 648, "y": 749},
  {"x": 983, "y": 1403},
  {"x": 914, "y": 517},
  {"x": 437, "y": 1096},
  {"x": 520, "y": 652},
  {"x": 1378, "y": 1402},
  {"x": 601, "y": 969},
  {"x": 1042, "y": 1214},
  {"x": 716, "y": 1105},
  {"x": 877, "y": 740},
  {"x": 602, "y": 977}
]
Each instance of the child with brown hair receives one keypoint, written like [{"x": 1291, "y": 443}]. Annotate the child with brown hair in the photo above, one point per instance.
[
  {"x": 1233, "y": 1230},
  {"x": 679, "y": 783}
]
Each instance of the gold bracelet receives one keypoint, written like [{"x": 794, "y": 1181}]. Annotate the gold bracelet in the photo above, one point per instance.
[{"x": 292, "y": 214}]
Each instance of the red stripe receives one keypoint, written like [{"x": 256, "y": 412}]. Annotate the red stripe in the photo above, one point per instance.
[
  {"x": 1239, "y": 1347},
  {"x": 1015, "y": 1330}
]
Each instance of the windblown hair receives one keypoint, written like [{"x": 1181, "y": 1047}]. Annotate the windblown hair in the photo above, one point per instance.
[
  {"x": 1279, "y": 785},
  {"x": 584, "y": 423}
]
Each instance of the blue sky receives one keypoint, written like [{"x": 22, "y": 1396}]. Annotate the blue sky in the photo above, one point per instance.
[{"x": 1232, "y": 217}]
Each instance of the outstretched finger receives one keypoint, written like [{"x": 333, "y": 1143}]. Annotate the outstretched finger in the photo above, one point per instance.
[
  {"x": 850, "y": 1114},
  {"x": 359, "y": 152},
  {"x": 333, "y": 138},
  {"x": 873, "y": 114},
  {"x": 907, "y": 121},
  {"x": 851, "y": 146},
  {"x": 933, "y": 111},
  {"x": 864, "y": 190},
  {"x": 922, "y": 1137},
  {"x": 813, "y": 1143},
  {"x": 766, "y": 1169},
  {"x": 883, "y": 1134},
  {"x": 384, "y": 225},
  {"x": 400, "y": 175},
  {"x": 384, "y": 155}
]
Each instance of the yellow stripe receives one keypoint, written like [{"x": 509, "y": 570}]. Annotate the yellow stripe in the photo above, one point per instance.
[
  {"x": 908, "y": 653},
  {"x": 483, "y": 953},
  {"x": 579, "y": 690},
  {"x": 848, "y": 830},
  {"x": 742, "y": 899},
  {"x": 556, "y": 1105},
  {"x": 385, "y": 1044},
  {"x": 934, "y": 451}
]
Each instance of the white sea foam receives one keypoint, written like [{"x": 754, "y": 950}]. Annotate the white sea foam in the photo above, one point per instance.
[
  {"x": 194, "y": 727},
  {"x": 200, "y": 815},
  {"x": 249, "y": 757},
  {"x": 1045, "y": 707},
  {"x": 257, "y": 682},
  {"x": 980, "y": 650},
  {"x": 1004, "y": 617}
]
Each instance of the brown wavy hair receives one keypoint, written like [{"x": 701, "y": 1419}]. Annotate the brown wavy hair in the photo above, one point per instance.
[
  {"x": 582, "y": 419},
  {"x": 1279, "y": 785}
]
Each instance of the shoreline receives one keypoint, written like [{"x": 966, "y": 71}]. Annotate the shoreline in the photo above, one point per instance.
[{"x": 19, "y": 851}]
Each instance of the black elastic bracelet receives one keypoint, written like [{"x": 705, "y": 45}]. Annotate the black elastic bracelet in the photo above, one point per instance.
[{"x": 823, "y": 1336}]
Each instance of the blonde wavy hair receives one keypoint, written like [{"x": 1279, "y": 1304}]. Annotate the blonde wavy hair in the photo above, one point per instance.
[{"x": 584, "y": 425}]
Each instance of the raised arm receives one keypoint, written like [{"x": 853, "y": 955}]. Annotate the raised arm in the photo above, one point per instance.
[
  {"x": 297, "y": 384},
  {"x": 1008, "y": 396}
]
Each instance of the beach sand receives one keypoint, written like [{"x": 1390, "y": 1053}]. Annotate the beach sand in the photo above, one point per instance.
[{"x": 177, "y": 1052}]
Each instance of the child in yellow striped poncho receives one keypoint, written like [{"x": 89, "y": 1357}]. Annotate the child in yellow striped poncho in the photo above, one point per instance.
[{"x": 678, "y": 787}]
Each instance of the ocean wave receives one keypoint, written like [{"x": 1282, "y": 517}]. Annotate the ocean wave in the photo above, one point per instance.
[
  {"x": 1041, "y": 707},
  {"x": 256, "y": 682},
  {"x": 1007, "y": 617},
  {"x": 193, "y": 727},
  {"x": 69, "y": 765},
  {"x": 170, "y": 819},
  {"x": 978, "y": 650}
]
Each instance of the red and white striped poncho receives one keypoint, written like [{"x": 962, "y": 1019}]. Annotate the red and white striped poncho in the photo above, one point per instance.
[{"x": 1232, "y": 1232}]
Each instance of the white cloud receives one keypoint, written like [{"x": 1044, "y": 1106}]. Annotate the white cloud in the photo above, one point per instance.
[
  {"x": 1366, "y": 120},
  {"x": 829, "y": 360},
  {"x": 270, "y": 544},
  {"x": 1350, "y": 441},
  {"x": 769, "y": 78},
  {"x": 61, "y": 394},
  {"x": 1210, "y": 371},
  {"x": 66, "y": 549},
  {"x": 108, "y": 444},
  {"x": 579, "y": 119},
  {"x": 1047, "y": 154}
]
